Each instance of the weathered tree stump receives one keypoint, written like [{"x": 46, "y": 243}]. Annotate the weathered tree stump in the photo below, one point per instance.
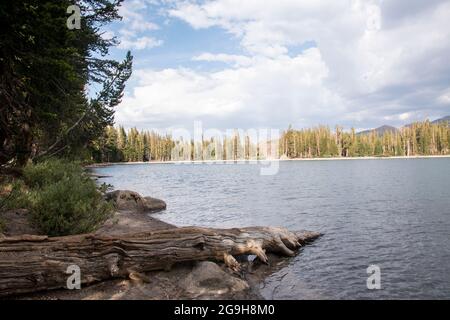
[{"x": 35, "y": 263}]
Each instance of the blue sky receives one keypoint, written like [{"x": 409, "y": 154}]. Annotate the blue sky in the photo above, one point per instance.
[
  {"x": 179, "y": 41},
  {"x": 252, "y": 64}
]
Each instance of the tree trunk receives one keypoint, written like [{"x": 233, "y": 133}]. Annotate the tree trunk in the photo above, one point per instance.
[{"x": 35, "y": 263}]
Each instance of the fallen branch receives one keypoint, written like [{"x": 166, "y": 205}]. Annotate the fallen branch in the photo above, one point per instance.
[{"x": 35, "y": 263}]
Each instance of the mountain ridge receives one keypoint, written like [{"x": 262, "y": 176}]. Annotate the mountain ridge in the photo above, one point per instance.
[
  {"x": 379, "y": 131},
  {"x": 387, "y": 128}
]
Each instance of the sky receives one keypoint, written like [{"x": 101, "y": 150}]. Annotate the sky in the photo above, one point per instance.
[{"x": 274, "y": 63}]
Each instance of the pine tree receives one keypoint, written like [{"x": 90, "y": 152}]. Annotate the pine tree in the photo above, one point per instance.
[{"x": 44, "y": 69}]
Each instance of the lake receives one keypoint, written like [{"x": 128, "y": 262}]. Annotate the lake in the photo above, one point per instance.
[{"x": 393, "y": 213}]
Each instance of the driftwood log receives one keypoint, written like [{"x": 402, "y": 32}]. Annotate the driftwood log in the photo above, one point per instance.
[{"x": 35, "y": 263}]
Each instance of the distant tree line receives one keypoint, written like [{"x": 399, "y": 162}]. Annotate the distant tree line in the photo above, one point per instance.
[
  {"x": 421, "y": 138},
  {"x": 120, "y": 145}
]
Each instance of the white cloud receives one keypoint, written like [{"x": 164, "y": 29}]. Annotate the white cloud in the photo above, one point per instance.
[
  {"x": 444, "y": 98},
  {"x": 194, "y": 15},
  {"x": 377, "y": 52},
  {"x": 404, "y": 116},
  {"x": 108, "y": 35},
  {"x": 139, "y": 43},
  {"x": 374, "y": 61},
  {"x": 134, "y": 33},
  {"x": 236, "y": 60},
  {"x": 267, "y": 91},
  {"x": 133, "y": 15}
]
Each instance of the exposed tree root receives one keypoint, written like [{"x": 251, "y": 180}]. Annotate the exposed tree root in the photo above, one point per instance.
[{"x": 35, "y": 263}]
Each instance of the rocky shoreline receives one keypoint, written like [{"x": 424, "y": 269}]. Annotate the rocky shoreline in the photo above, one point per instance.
[{"x": 196, "y": 280}]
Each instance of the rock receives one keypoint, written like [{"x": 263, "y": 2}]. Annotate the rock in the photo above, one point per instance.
[
  {"x": 208, "y": 279},
  {"x": 17, "y": 222},
  {"x": 98, "y": 176},
  {"x": 125, "y": 200},
  {"x": 154, "y": 204},
  {"x": 126, "y": 222}
]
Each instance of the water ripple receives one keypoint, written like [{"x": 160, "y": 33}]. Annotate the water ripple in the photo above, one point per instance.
[{"x": 395, "y": 214}]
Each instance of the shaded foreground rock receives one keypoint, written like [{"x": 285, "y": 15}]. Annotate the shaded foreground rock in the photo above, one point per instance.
[
  {"x": 126, "y": 222},
  {"x": 133, "y": 201},
  {"x": 17, "y": 222},
  {"x": 163, "y": 285},
  {"x": 155, "y": 285},
  {"x": 208, "y": 279},
  {"x": 154, "y": 205}
]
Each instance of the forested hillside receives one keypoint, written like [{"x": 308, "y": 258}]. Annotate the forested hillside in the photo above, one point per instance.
[{"x": 421, "y": 138}]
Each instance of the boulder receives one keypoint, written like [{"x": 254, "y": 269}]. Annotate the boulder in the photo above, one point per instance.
[
  {"x": 153, "y": 204},
  {"x": 125, "y": 200},
  {"x": 208, "y": 279}
]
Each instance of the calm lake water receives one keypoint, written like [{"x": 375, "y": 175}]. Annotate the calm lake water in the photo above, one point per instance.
[{"x": 393, "y": 213}]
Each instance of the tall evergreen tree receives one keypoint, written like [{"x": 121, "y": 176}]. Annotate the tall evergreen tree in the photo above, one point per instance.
[{"x": 44, "y": 70}]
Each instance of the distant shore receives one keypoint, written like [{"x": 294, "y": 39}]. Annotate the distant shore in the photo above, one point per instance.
[{"x": 254, "y": 161}]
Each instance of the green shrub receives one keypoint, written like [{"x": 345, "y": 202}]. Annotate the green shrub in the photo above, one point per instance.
[
  {"x": 61, "y": 197},
  {"x": 14, "y": 195},
  {"x": 50, "y": 171},
  {"x": 72, "y": 205}
]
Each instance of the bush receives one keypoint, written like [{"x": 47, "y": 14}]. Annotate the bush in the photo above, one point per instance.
[
  {"x": 62, "y": 199},
  {"x": 72, "y": 205},
  {"x": 14, "y": 195},
  {"x": 50, "y": 171}
]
